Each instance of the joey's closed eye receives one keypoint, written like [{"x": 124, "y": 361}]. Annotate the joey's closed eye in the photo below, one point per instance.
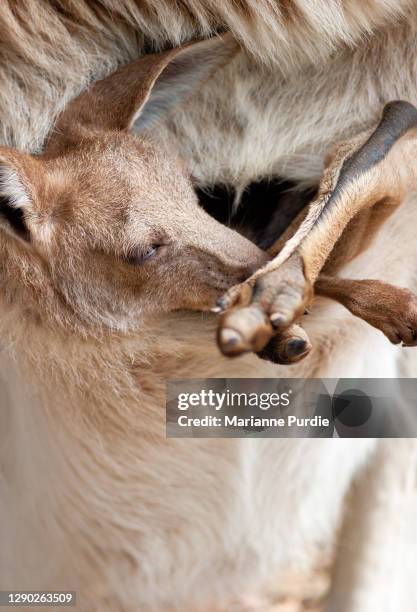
[{"x": 141, "y": 255}]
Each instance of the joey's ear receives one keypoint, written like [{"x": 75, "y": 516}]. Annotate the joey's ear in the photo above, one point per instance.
[
  {"x": 146, "y": 90},
  {"x": 186, "y": 70},
  {"x": 19, "y": 174}
]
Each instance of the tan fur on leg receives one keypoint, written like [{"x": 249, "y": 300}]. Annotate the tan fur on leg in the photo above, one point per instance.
[{"x": 372, "y": 168}]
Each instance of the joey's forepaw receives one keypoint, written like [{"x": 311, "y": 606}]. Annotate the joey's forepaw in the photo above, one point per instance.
[
  {"x": 261, "y": 307},
  {"x": 391, "y": 309}
]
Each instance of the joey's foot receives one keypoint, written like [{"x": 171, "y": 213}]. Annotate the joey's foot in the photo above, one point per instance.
[{"x": 263, "y": 306}]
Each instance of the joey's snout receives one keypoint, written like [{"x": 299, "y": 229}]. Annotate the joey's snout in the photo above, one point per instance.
[
  {"x": 237, "y": 269},
  {"x": 238, "y": 257},
  {"x": 226, "y": 259}
]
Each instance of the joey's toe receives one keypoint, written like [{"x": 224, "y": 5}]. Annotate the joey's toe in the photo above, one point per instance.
[
  {"x": 296, "y": 348},
  {"x": 242, "y": 330},
  {"x": 232, "y": 343},
  {"x": 287, "y": 348}
]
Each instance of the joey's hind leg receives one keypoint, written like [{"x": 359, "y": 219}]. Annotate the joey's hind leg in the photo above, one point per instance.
[{"x": 375, "y": 167}]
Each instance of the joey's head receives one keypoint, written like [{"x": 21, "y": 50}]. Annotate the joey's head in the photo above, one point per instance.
[{"x": 104, "y": 228}]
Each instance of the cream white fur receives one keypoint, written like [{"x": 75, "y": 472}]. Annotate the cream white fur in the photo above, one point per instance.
[{"x": 134, "y": 522}]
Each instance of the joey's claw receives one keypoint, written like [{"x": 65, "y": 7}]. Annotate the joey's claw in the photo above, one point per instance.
[{"x": 237, "y": 296}]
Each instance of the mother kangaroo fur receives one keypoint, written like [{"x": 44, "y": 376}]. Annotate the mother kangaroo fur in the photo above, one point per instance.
[{"x": 92, "y": 496}]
